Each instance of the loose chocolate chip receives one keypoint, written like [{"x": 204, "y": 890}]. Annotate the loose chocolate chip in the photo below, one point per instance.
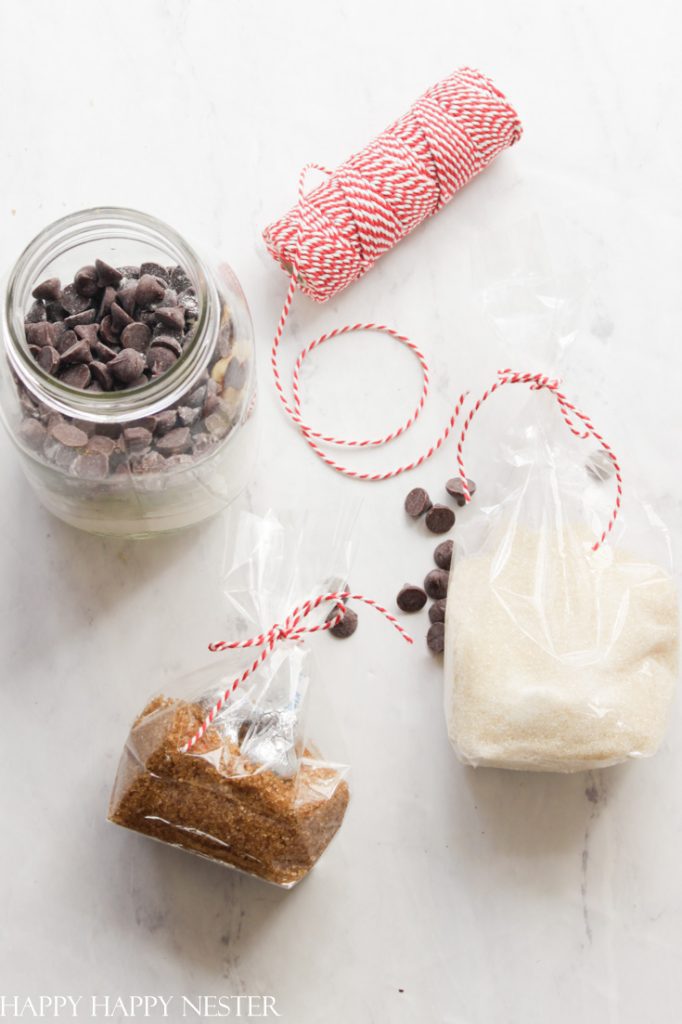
[
  {"x": 119, "y": 318},
  {"x": 167, "y": 341},
  {"x": 455, "y": 489},
  {"x": 137, "y": 438},
  {"x": 107, "y": 275},
  {"x": 32, "y": 433},
  {"x": 160, "y": 359},
  {"x": 88, "y": 332},
  {"x": 36, "y": 313},
  {"x": 171, "y": 316},
  {"x": 442, "y": 556},
  {"x": 85, "y": 282},
  {"x": 346, "y": 626},
  {"x": 435, "y": 638},
  {"x": 39, "y": 334},
  {"x": 76, "y": 376},
  {"x": 72, "y": 302},
  {"x": 175, "y": 441},
  {"x": 68, "y": 435},
  {"x": 155, "y": 270},
  {"x": 79, "y": 352},
  {"x": 49, "y": 289},
  {"x": 136, "y": 336},
  {"x": 91, "y": 466},
  {"x": 149, "y": 291},
  {"x": 48, "y": 358},
  {"x": 436, "y": 584},
  {"x": 86, "y": 317},
  {"x": 440, "y": 519},
  {"x": 417, "y": 502},
  {"x": 165, "y": 421},
  {"x": 127, "y": 365},
  {"x": 102, "y": 375},
  {"x": 437, "y": 611},
  {"x": 411, "y": 598}
]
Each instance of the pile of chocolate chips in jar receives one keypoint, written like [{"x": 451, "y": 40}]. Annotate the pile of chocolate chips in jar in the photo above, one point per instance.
[
  {"x": 115, "y": 329},
  {"x": 438, "y": 519}
]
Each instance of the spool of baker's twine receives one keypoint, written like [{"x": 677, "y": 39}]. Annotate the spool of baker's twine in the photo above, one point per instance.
[{"x": 337, "y": 232}]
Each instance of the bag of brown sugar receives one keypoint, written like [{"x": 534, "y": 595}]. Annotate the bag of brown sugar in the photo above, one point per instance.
[
  {"x": 235, "y": 764},
  {"x": 561, "y": 635}
]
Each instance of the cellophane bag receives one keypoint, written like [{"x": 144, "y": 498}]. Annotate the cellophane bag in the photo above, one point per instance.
[
  {"x": 558, "y": 656},
  {"x": 256, "y": 792}
]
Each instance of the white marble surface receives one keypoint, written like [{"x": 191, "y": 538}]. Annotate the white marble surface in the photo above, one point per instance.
[{"x": 450, "y": 895}]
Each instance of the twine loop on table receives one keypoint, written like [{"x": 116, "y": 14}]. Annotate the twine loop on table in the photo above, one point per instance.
[
  {"x": 365, "y": 207},
  {"x": 570, "y": 414},
  {"x": 293, "y": 628}
]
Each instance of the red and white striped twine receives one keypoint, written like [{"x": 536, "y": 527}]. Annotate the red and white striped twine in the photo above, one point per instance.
[
  {"x": 569, "y": 412},
  {"x": 292, "y": 628},
  {"x": 337, "y": 232}
]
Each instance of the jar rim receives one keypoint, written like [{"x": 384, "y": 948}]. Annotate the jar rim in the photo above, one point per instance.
[{"x": 92, "y": 225}]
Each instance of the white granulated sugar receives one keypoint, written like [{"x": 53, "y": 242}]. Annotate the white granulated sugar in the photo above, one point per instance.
[{"x": 558, "y": 658}]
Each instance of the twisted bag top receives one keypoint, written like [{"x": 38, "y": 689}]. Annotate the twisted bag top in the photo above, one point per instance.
[{"x": 338, "y": 231}]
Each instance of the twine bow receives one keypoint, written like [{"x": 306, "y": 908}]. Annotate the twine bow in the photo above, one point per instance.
[{"x": 293, "y": 628}]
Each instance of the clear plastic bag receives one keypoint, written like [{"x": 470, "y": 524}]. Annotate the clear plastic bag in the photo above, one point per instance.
[
  {"x": 254, "y": 791},
  {"x": 558, "y": 656}
]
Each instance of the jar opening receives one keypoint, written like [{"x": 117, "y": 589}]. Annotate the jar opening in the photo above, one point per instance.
[{"x": 121, "y": 237}]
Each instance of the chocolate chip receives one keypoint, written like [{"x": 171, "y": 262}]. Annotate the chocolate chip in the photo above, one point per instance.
[
  {"x": 65, "y": 340},
  {"x": 102, "y": 374},
  {"x": 155, "y": 270},
  {"x": 86, "y": 317},
  {"x": 106, "y": 332},
  {"x": 346, "y": 626},
  {"x": 187, "y": 415},
  {"x": 101, "y": 443},
  {"x": 129, "y": 273},
  {"x": 103, "y": 352},
  {"x": 188, "y": 301},
  {"x": 126, "y": 298},
  {"x": 137, "y": 438},
  {"x": 88, "y": 332},
  {"x": 32, "y": 433},
  {"x": 127, "y": 365},
  {"x": 455, "y": 489},
  {"x": 136, "y": 336},
  {"x": 48, "y": 358},
  {"x": 54, "y": 311},
  {"x": 201, "y": 442},
  {"x": 85, "y": 282},
  {"x": 149, "y": 462},
  {"x": 197, "y": 397},
  {"x": 160, "y": 359},
  {"x": 107, "y": 275},
  {"x": 216, "y": 424},
  {"x": 442, "y": 555},
  {"x": 68, "y": 435},
  {"x": 39, "y": 334},
  {"x": 139, "y": 382},
  {"x": 235, "y": 377},
  {"x": 436, "y": 584},
  {"x": 171, "y": 316},
  {"x": 149, "y": 291},
  {"x": 437, "y": 611},
  {"x": 36, "y": 313},
  {"x": 72, "y": 302},
  {"x": 76, "y": 376},
  {"x": 417, "y": 502},
  {"x": 108, "y": 296},
  {"x": 440, "y": 519},
  {"x": 167, "y": 341},
  {"x": 165, "y": 421},
  {"x": 175, "y": 441},
  {"x": 49, "y": 289},
  {"x": 179, "y": 279},
  {"x": 435, "y": 638},
  {"x": 91, "y": 466},
  {"x": 119, "y": 318},
  {"x": 79, "y": 352},
  {"x": 411, "y": 598}
]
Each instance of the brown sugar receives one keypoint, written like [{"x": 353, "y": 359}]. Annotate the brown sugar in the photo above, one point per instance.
[{"x": 215, "y": 802}]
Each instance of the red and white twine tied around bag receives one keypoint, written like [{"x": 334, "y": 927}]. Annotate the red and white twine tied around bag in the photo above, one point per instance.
[
  {"x": 293, "y": 628},
  {"x": 365, "y": 207},
  {"x": 569, "y": 412}
]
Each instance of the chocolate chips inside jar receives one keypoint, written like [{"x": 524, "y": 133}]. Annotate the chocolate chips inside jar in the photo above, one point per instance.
[{"x": 154, "y": 353}]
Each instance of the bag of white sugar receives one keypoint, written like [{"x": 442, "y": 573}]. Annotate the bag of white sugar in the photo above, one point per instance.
[{"x": 561, "y": 636}]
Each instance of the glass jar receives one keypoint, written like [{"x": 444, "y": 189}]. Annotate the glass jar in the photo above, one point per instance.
[{"x": 192, "y": 444}]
